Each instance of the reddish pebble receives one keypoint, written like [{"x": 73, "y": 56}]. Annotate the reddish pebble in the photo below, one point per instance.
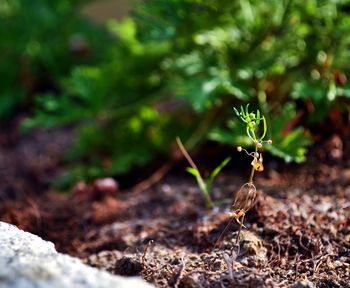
[
  {"x": 105, "y": 186},
  {"x": 80, "y": 188}
]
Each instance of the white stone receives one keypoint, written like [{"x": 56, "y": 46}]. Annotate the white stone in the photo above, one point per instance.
[{"x": 27, "y": 261}]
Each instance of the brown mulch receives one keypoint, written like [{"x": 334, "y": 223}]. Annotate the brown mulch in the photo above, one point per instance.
[{"x": 298, "y": 234}]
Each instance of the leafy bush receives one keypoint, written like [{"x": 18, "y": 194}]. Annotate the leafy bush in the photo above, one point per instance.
[
  {"x": 41, "y": 40},
  {"x": 178, "y": 67}
]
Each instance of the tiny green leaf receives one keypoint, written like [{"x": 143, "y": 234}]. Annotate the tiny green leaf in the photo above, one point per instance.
[
  {"x": 265, "y": 129},
  {"x": 257, "y": 117},
  {"x": 217, "y": 170},
  {"x": 242, "y": 111},
  {"x": 246, "y": 109},
  {"x": 193, "y": 171},
  {"x": 248, "y": 133}
]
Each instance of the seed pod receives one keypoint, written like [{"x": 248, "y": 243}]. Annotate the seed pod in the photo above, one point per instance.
[
  {"x": 257, "y": 164},
  {"x": 244, "y": 199}
]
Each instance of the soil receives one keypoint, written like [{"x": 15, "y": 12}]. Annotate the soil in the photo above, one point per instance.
[{"x": 297, "y": 234}]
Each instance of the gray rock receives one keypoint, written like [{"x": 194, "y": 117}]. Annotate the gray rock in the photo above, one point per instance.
[
  {"x": 27, "y": 261},
  {"x": 303, "y": 284},
  {"x": 252, "y": 251}
]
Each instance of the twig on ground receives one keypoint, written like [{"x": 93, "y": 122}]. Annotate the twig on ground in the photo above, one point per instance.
[
  {"x": 179, "y": 275},
  {"x": 145, "y": 252},
  {"x": 153, "y": 179},
  {"x": 229, "y": 263}
]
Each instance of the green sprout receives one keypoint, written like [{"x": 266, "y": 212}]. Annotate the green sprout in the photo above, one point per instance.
[
  {"x": 206, "y": 183},
  {"x": 245, "y": 199},
  {"x": 253, "y": 129}
]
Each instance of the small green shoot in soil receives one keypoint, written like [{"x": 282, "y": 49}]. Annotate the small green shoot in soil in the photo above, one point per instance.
[
  {"x": 206, "y": 183},
  {"x": 245, "y": 199}
]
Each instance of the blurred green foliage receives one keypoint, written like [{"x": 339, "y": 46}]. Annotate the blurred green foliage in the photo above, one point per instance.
[
  {"x": 40, "y": 41},
  {"x": 177, "y": 67}
]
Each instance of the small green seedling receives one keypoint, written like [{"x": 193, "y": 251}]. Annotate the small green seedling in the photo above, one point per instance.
[
  {"x": 246, "y": 197},
  {"x": 203, "y": 184}
]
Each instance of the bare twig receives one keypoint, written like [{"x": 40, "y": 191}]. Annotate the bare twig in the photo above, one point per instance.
[
  {"x": 223, "y": 233},
  {"x": 229, "y": 263},
  {"x": 180, "y": 273},
  {"x": 153, "y": 179},
  {"x": 185, "y": 153},
  {"x": 145, "y": 252}
]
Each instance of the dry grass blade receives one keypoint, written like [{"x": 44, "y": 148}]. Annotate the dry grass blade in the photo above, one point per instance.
[
  {"x": 222, "y": 234},
  {"x": 185, "y": 153}
]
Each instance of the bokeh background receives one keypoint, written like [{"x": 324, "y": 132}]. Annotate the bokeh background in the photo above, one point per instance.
[{"x": 121, "y": 79}]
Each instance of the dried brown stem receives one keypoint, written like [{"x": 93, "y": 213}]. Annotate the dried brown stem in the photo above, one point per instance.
[
  {"x": 153, "y": 179},
  {"x": 185, "y": 153}
]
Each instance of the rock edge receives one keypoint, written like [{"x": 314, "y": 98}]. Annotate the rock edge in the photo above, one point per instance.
[{"x": 27, "y": 261}]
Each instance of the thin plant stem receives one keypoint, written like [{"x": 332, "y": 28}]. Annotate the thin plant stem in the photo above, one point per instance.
[
  {"x": 242, "y": 219},
  {"x": 253, "y": 169},
  {"x": 208, "y": 202},
  {"x": 202, "y": 185},
  {"x": 246, "y": 197},
  {"x": 223, "y": 232},
  {"x": 251, "y": 176},
  {"x": 185, "y": 153},
  {"x": 239, "y": 232}
]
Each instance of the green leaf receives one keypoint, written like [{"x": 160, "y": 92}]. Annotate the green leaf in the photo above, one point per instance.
[
  {"x": 201, "y": 183},
  {"x": 193, "y": 171},
  {"x": 216, "y": 171},
  {"x": 257, "y": 117},
  {"x": 242, "y": 112},
  {"x": 265, "y": 129},
  {"x": 247, "y": 116},
  {"x": 248, "y": 133},
  {"x": 292, "y": 146},
  {"x": 315, "y": 90},
  {"x": 246, "y": 109}
]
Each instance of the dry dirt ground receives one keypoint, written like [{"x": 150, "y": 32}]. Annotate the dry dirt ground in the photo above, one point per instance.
[{"x": 297, "y": 235}]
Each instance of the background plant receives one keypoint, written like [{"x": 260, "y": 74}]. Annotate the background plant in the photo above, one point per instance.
[
  {"x": 204, "y": 184},
  {"x": 196, "y": 59},
  {"x": 40, "y": 42}
]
